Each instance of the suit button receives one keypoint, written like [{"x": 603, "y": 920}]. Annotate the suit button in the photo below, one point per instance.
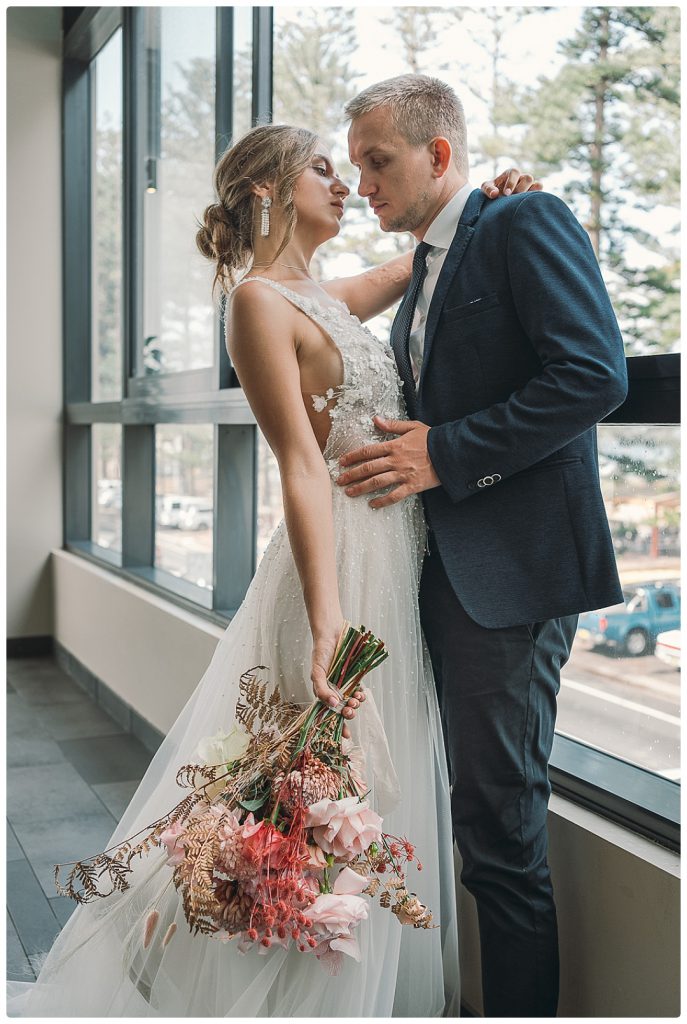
[
  {"x": 480, "y": 483},
  {"x": 496, "y": 477},
  {"x": 488, "y": 481}
]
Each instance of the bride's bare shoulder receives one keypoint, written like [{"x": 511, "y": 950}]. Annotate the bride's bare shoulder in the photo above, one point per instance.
[
  {"x": 251, "y": 297},
  {"x": 255, "y": 307}
]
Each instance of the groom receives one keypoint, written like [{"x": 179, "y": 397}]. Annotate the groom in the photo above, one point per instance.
[{"x": 510, "y": 354}]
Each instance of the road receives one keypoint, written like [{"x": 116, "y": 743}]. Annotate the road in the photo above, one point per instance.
[{"x": 627, "y": 706}]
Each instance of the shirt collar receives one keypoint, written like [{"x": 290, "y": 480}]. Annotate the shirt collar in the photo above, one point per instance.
[{"x": 442, "y": 229}]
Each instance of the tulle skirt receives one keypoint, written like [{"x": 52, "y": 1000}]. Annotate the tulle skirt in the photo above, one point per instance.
[{"x": 98, "y": 965}]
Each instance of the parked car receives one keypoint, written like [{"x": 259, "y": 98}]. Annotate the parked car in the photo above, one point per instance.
[
  {"x": 669, "y": 648},
  {"x": 109, "y": 493},
  {"x": 649, "y": 609},
  {"x": 170, "y": 510},
  {"x": 196, "y": 517}
]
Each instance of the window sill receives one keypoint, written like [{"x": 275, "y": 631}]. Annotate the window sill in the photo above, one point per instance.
[
  {"x": 616, "y": 790},
  {"x": 616, "y": 835},
  {"x": 194, "y": 599}
]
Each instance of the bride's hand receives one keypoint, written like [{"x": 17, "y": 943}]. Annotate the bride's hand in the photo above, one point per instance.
[
  {"x": 324, "y": 645},
  {"x": 510, "y": 181}
]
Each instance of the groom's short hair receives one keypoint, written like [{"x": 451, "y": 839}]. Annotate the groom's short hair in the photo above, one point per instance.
[{"x": 421, "y": 108}]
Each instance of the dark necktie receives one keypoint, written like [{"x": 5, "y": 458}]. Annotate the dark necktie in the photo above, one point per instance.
[{"x": 400, "y": 329}]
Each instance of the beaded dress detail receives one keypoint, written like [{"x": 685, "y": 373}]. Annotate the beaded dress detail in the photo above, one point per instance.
[{"x": 98, "y": 965}]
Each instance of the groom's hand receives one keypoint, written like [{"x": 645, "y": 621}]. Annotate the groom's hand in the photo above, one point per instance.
[
  {"x": 510, "y": 181},
  {"x": 403, "y": 462}
]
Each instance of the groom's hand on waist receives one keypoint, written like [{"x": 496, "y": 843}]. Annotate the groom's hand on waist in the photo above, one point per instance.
[{"x": 402, "y": 463}]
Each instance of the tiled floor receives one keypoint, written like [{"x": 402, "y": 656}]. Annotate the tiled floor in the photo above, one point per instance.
[{"x": 71, "y": 771}]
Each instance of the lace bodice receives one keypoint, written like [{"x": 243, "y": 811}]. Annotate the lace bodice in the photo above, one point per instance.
[{"x": 371, "y": 383}]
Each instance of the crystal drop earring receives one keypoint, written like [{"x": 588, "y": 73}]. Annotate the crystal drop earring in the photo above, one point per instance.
[{"x": 265, "y": 218}]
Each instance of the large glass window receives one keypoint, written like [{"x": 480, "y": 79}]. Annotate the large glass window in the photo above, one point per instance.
[
  {"x": 242, "y": 96},
  {"x": 270, "y": 504},
  {"x": 178, "y": 314},
  {"x": 184, "y": 501},
  {"x": 106, "y": 251},
  {"x": 621, "y": 688},
  {"x": 106, "y": 500}
]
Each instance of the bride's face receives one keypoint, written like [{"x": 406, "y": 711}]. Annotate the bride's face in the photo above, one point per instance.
[{"x": 319, "y": 195}]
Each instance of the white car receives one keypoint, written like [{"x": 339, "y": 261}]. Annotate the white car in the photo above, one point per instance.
[
  {"x": 196, "y": 517},
  {"x": 668, "y": 647}
]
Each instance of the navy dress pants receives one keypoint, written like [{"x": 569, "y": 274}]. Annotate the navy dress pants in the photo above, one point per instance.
[{"x": 497, "y": 692}]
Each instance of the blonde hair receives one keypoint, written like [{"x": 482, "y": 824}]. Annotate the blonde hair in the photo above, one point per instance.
[
  {"x": 421, "y": 108},
  {"x": 275, "y": 153}
]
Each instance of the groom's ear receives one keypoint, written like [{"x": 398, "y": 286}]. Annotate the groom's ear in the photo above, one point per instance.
[{"x": 441, "y": 154}]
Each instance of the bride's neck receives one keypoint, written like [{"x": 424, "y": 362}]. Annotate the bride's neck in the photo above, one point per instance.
[{"x": 293, "y": 261}]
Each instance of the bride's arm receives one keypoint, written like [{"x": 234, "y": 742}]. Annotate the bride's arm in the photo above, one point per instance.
[
  {"x": 373, "y": 291},
  {"x": 263, "y": 346}
]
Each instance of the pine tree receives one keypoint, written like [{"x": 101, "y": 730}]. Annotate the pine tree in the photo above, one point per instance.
[{"x": 607, "y": 116}]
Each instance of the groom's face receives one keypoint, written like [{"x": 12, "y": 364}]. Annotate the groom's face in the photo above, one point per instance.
[{"x": 395, "y": 177}]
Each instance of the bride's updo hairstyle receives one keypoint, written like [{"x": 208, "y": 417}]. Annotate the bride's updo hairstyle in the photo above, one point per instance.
[{"x": 271, "y": 153}]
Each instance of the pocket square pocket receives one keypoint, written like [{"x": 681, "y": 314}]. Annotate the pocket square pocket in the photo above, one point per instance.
[{"x": 468, "y": 308}]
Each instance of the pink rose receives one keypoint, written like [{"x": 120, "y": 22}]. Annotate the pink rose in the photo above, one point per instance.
[
  {"x": 350, "y": 883},
  {"x": 344, "y": 827},
  {"x": 317, "y": 858},
  {"x": 171, "y": 837},
  {"x": 333, "y": 916},
  {"x": 337, "y": 914}
]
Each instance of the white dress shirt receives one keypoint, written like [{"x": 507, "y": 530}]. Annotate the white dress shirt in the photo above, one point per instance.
[{"x": 439, "y": 235}]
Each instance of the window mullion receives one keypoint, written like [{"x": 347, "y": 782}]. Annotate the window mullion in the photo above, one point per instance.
[
  {"x": 138, "y": 494},
  {"x": 235, "y": 514},
  {"x": 224, "y": 101},
  {"x": 132, "y": 205},
  {"x": 263, "y": 26}
]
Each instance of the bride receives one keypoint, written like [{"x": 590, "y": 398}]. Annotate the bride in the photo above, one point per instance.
[{"x": 314, "y": 377}]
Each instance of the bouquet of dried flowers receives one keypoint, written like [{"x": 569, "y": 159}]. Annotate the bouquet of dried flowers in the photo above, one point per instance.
[{"x": 280, "y": 807}]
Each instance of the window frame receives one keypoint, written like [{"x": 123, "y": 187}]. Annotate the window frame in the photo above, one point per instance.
[{"x": 616, "y": 789}]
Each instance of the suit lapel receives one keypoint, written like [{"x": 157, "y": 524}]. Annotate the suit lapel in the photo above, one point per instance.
[{"x": 461, "y": 239}]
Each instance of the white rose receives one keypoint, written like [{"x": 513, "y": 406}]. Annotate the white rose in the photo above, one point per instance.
[{"x": 223, "y": 746}]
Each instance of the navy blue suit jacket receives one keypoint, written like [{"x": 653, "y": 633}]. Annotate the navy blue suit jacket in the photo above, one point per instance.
[{"x": 522, "y": 358}]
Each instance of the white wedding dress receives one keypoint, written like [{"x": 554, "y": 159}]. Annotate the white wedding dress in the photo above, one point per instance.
[{"x": 97, "y": 966}]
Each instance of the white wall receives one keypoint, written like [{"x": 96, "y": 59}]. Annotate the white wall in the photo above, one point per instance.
[
  {"x": 148, "y": 651},
  {"x": 34, "y": 315},
  {"x": 617, "y": 894}
]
